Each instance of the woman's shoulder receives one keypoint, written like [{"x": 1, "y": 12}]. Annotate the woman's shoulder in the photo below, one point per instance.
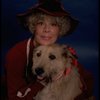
[{"x": 18, "y": 48}]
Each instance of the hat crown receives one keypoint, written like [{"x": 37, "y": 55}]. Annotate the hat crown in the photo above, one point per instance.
[
  {"x": 54, "y": 7},
  {"x": 41, "y": 1}
]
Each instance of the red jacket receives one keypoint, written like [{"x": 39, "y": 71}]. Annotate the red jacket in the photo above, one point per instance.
[{"x": 16, "y": 61}]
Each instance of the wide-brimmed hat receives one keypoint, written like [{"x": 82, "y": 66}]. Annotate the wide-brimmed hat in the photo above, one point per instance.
[{"x": 50, "y": 7}]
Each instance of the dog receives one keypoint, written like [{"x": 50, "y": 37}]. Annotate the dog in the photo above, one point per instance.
[{"x": 54, "y": 69}]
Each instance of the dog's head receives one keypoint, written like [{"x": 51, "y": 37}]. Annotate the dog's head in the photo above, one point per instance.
[{"x": 48, "y": 61}]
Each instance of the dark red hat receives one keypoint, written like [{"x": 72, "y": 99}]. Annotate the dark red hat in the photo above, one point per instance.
[{"x": 50, "y": 7}]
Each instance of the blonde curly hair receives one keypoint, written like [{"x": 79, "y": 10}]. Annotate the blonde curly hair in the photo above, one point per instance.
[{"x": 63, "y": 22}]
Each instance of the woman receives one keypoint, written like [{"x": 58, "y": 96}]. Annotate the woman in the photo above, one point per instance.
[{"x": 47, "y": 21}]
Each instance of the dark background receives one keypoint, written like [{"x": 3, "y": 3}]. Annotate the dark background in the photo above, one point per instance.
[{"x": 84, "y": 39}]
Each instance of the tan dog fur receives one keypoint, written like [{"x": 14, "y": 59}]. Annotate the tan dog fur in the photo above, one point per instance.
[{"x": 66, "y": 87}]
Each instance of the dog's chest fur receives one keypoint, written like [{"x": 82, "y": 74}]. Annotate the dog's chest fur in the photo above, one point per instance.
[{"x": 61, "y": 89}]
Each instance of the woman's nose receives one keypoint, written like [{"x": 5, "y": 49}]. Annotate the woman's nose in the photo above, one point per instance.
[{"x": 46, "y": 28}]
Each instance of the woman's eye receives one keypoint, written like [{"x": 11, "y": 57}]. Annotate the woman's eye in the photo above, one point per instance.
[
  {"x": 54, "y": 24},
  {"x": 52, "y": 57},
  {"x": 40, "y": 23}
]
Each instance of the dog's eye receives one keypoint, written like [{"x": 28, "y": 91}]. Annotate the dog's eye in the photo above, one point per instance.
[
  {"x": 52, "y": 57},
  {"x": 38, "y": 54}
]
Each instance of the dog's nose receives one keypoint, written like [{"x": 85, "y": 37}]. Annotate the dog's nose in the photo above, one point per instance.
[{"x": 39, "y": 71}]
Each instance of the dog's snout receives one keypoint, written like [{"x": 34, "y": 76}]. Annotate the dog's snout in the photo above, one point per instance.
[{"x": 39, "y": 71}]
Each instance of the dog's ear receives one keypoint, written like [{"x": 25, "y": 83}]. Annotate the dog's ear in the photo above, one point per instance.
[
  {"x": 64, "y": 51},
  {"x": 68, "y": 51},
  {"x": 29, "y": 76}
]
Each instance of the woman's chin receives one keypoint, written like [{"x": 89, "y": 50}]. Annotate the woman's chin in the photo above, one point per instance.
[{"x": 45, "y": 43}]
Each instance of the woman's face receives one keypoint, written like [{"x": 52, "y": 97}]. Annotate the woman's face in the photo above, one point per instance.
[{"x": 46, "y": 31}]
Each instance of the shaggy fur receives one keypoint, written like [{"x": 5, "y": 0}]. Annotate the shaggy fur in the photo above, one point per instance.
[{"x": 49, "y": 65}]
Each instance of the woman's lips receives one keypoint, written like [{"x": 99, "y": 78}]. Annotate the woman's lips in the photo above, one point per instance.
[{"x": 46, "y": 37}]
